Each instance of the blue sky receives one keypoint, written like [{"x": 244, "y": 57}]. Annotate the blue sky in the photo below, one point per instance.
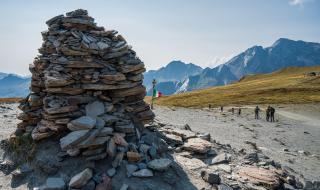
[{"x": 204, "y": 32}]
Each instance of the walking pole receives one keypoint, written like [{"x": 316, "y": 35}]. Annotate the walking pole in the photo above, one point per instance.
[{"x": 154, "y": 82}]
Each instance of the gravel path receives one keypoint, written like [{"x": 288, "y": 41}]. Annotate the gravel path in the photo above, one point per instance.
[
  {"x": 8, "y": 124},
  {"x": 295, "y": 143}
]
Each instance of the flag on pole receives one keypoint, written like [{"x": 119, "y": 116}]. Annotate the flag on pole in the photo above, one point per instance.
[{"x": 156, "y": 94}]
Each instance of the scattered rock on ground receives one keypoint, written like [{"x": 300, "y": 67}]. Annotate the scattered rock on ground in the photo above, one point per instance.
[
  {"x": 210, "y": 177},
  {"x": 255, "y": 175},
  {"x": 159, "y": 164},
  {"x": 197, "y": 145},
  {"x": 81, "y": 178},
  {"x": 221, "y": 158},
  {"x": 143, "y": 173},
  {"x": 54, "y": 183}
]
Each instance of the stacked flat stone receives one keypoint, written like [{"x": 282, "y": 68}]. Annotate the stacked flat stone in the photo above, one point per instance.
[{"x": 86, "y": 84}]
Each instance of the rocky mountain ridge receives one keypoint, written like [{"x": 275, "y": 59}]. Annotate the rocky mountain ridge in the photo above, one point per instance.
[
  {"x": 12, "y": 85},
  {"x": 171, "y": 74},
  {"x": 258, "y": 60}
]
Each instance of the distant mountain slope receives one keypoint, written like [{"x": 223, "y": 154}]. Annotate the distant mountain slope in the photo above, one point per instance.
[
  {"x": 2, "y": 75},
  {"x": 211, "y": 77},
  {"x": 289, "y": 85},
  {"x": 174, "y": 71},
  {"x": 14, "y": 86},
  {"x": 283, "y": 53}
]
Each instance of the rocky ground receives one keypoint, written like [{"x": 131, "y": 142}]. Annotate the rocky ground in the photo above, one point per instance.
[
  {"x": 242, "y": 153},
  {"x": 293, "y": 139}
]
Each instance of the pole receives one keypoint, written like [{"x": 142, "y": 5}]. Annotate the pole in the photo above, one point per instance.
[{"x": 154, "y": 82}]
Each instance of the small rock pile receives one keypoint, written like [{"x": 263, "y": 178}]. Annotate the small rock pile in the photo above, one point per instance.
[{"x": 86, "y": 88}]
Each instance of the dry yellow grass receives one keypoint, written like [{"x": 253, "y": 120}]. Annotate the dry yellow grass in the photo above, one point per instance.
[
  {"x": 286, "y": 86},
  {"x": 10, "y": 100}
]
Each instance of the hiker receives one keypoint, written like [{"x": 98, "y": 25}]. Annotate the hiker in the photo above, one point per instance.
[
  {"x": 272, "y": 111},
  {"x": 256, "y": 112},
  {"x": 221, "y": 108},
  {"x": 209, "y": 106},
  {"x": 239, "y": 112},
  {"x": 232, "y": 110},
  {"x": 268, "y": 113}
]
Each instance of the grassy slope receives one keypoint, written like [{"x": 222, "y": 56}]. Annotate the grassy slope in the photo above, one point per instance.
[
  {"x": 285, "y": 86},
  {"x": 9, "y": 100}
]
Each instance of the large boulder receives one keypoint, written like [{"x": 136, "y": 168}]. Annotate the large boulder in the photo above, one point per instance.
[
  {"x": 260, "y": 176},
  {"x": 197, "y": 145}
]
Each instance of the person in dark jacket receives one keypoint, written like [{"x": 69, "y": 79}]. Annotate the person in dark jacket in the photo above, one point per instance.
[
  {"x": 256, "y": 112},
  {"x": 268, "y": 113},
  {"x": 272, "y": 111},
  {"x": 239, "y": 112}
]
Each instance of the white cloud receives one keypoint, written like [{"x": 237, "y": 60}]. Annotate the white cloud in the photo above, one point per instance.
[{"x": 298, "y": 2}]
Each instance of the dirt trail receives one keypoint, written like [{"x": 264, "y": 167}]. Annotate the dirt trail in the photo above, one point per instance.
[
  {"x": 305, "y": 119},
  {"x": 296, "y": 116},
  {"x": 293, "y": 140}
]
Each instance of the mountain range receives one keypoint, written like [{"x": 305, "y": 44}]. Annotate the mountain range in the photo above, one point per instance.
[
  {"x": 258, "y": 60},
  {"x": 255, "y": 60},
  {"x": 177, "y": 76},
  {"x": 169, "y": 77},
  {"x": 12, "y": 85}
]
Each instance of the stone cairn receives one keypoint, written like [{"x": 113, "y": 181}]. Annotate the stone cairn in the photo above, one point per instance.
[{"x": 86, "y": 88}]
